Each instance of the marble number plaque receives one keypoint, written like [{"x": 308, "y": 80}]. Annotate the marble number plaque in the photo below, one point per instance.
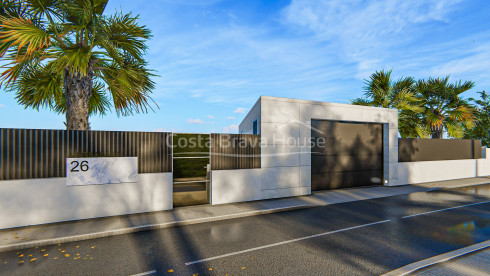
[{"x": 106, "y": 170}]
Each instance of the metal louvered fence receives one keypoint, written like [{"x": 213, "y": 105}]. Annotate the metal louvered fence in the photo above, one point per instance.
[
  {"x": 235, "y": 151},
  {"x": 41, "y": 153}
]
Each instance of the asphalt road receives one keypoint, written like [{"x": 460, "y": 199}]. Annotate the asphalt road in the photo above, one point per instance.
[{"x": 365, "y": 237}]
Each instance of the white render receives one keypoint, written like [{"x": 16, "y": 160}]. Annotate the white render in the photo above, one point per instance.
[
  {"x": 228, "y": 186},
  {"x": 429, "y": 171},
  {"x": 105, "y": 170},
  {"x": 46, "y": 200}
]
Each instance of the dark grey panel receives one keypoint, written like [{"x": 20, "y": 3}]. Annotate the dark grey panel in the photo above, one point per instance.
[
  {"x": 343, "y": 163},
  {"x": 344, "y": 145},
  {"x": 352, "y": 130},
  {"x": 235, "y": 151},
  {"x": 413, "y": 150},
  {"x": 336, "y": 180},
  {"x": 346, "y": 154}
]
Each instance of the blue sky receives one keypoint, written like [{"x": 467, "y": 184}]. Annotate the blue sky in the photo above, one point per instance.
[{"x": 215, "y": 58}]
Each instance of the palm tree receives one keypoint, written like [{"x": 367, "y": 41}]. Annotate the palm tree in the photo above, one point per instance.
[
  {"x": 68, "y": 56},
  {"x": 381, "y": 91},
  {"x": 482, "y": 114},
  {"x": 444, "y": 109}
]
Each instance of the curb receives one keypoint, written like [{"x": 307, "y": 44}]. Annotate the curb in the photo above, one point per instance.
[
  {"x": 405, "y": 270},
  {"x": 147, "y": 227}
]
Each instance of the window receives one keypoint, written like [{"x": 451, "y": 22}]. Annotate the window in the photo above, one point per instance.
[{"x": 255, "y": 127}]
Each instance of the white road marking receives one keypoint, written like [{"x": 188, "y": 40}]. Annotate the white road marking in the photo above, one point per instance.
[
  {"x": 285, "y": 242},
  {"x": 145, "y": 273},
  {"x": 445, "y": 209}
]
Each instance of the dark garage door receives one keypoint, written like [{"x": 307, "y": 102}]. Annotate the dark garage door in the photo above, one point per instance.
[{"x": 351, "y": 155}]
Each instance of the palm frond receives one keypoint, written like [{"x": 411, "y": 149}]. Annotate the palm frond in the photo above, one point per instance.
[
  {"x": 38, "y": 87},
  {"x": 76, "y": 58},
  {"x": 122, "y": 32},
  {"x": 455, "y": 130},
  {"x": 360, "y": 101},
  {"x": 129, "y": 84},
  {"x": 22, "y": 32},
  {"x": 434, "y": 120},
  {"x": 40, "y": 8},
  {"x": 461, "y": 114}
]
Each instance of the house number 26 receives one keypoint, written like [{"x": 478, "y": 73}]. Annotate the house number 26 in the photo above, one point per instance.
[{"x": 83, "y": 166}]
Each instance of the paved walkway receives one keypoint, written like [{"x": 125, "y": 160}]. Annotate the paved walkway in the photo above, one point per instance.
[
  {"x": 40, "y": 235},
  {"x": 470, "y": 260},
  {"x": 477, "y": 263}
]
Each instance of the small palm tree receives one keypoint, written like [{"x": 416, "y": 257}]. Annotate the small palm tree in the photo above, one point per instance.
[
  {"x": 482, "y": 121},
  {"x": 444, "y": 109},
  {"x": 381, "y": 91},
  {"x": 68, "y": 56}
]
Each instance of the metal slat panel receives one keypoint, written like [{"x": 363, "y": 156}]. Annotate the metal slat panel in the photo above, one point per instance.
[
  {"x": 38, "y": 153},
  {"x": 23, "y": 154},
  {"x": 3, "y": 150},
  {"x": 11, "y": 142}
]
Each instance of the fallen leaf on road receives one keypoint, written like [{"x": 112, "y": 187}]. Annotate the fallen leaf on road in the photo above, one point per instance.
[
  {"x": 67, "y": 255},
  {"x": 170, "y": 270},
  {"x": 32, "y": 260}
]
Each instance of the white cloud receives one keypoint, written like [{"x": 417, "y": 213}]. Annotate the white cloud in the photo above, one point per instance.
[
  {"x": 2, "y": 105},
  {"x": 230, "y": 128},
  {"x": 240, "y": 110},
  {"x": 166, "y": 130},
  {"x": 474, "y": 64},
  {"x": 366, "y": 31},
  {"x": 210, "y": 116},
  {"x": 195, "y": 121},
  {"x": 231, "y": 118}
]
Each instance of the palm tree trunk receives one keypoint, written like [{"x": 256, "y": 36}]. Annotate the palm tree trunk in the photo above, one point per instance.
[
  {"x": 78, "y": 90},
  {"x": 437, "y": 132}
]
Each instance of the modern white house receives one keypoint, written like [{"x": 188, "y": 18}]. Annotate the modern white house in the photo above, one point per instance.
[{"x": 360, "y": 149}]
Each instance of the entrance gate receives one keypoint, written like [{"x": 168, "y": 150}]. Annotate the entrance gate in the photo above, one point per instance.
[{"x": 191, "y": 167}]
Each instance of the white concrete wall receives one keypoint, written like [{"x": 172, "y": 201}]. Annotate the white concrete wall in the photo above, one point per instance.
[
  {"x": 428, "y": 171},
  {"x": 228, "y": 186},
  {"x": 247, "y": 123},
  {"x": 37, "y": 201},
  {"x": 483, "y": 165}
]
